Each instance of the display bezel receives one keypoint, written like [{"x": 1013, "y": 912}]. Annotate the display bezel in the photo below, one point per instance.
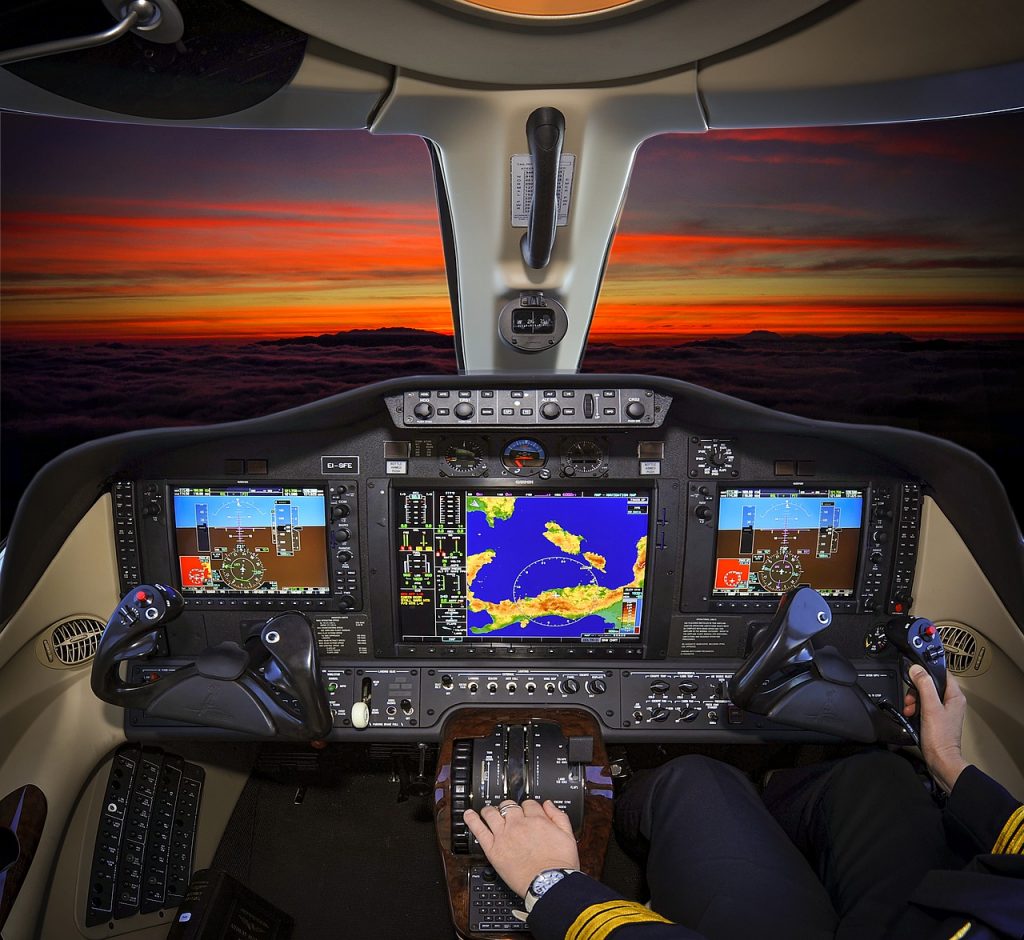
[
  {"x": 210, "y": 599},
  {"x": 525, "y": 645},
  {"x": 770, "y": 599}
]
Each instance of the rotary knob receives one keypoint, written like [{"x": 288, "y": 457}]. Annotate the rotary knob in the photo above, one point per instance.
[
  {"x": 635, "y": 410},
  {"x": 423, "y": 410},
  {"x": 570, "y": 686},
  {"x": 659, "y": 714},
  {"x": 550, "y": 410},
  {"x": 597, "y": 686},
  {"x": 464, "y": 410}
]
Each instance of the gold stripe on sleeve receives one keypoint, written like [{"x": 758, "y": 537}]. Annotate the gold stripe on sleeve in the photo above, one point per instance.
[
  {"x": 962, "y": 932},
  {"x": 1016, "y": 845},
  {"x": 588, "y": 915},
  {"x": 599, "y": 920},
  {"x": 1016, "y": 818}
]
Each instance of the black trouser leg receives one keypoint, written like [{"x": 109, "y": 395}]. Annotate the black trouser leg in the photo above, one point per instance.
[
  {"x": 873, "y": 831},
  {"x": 718, "y": 862}
]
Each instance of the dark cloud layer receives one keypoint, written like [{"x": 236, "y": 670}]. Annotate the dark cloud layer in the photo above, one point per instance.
[{"x": 55, "y": 397}]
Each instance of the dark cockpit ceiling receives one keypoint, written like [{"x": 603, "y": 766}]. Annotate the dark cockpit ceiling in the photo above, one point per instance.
[{"x": 312, "y": 63}]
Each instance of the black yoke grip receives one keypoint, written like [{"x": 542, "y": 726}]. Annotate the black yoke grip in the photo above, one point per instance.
[{"x": 802, "y": 613}]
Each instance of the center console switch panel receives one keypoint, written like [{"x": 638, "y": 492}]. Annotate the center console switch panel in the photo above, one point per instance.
[{"x": 640, "y": 704}]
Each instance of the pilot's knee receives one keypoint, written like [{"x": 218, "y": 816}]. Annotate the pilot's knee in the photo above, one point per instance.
[
  {"x": 695, "y": 770},
  {"x": 875, "y": 774}
]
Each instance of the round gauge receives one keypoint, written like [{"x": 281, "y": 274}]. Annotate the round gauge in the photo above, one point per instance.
[
  {"x": 875, "y": 640},
  {"x": 714, "y": 458},
  {"x": 464, "y": 458},
  {"x": 779, "y": 572},
  {"x": 242, "y": 569},
  {"x": 523, "y": 457},
  {"x": 583, "y": 457}
]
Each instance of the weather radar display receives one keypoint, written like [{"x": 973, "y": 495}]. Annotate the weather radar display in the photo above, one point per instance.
[
  {"x": 770, "y": 540},
  {"x": 549, "y": 567},
  {"x": 251, "y": 540}
]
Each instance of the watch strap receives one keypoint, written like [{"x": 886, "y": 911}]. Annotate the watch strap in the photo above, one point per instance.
[{"x": 531, "y": 899}]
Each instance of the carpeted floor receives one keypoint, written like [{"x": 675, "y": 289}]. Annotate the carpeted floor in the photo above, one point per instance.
[
  {"x": 329, "y": 841},
  {"x": 348, "y": 860}
]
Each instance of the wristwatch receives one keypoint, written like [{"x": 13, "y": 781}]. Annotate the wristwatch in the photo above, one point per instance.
[{"x": 543, "y": 883}]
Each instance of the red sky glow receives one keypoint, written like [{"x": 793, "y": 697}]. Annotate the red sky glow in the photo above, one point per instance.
[{"x": 914, "y": 228}]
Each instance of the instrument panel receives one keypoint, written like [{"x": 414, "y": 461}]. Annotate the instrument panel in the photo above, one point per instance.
[{"x": 462, "y": 544}]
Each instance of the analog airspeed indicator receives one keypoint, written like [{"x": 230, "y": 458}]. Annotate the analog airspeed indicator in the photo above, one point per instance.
[{"x": 464, "y": 458}]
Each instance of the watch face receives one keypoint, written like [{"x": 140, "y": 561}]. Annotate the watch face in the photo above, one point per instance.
[{"x": 545, "y": 880}]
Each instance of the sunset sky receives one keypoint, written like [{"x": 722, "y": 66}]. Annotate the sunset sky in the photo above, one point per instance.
[{"x": 122, "y": 232}]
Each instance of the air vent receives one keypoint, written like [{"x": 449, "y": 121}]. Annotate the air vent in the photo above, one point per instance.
[
  {"x": 70, "y": 642},
  {"x": 966, "y": 649}
]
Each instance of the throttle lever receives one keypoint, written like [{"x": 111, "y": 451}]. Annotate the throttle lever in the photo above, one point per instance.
[{"x": 802, "y": 613}]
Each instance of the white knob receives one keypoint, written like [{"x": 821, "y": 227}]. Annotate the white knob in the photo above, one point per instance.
[{"x": 360, "y": 715}]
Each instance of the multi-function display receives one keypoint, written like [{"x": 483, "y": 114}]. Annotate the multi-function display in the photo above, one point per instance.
[
  {"x": 251, "y": 539},
  {"x": 772, "y": 539},
  {"x": 513, "y": 566}
]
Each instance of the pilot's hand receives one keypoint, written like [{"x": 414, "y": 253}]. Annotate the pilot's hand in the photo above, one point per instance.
[
  {"x": 942, "y": 725},
  {"x": 525, "y": 841}
]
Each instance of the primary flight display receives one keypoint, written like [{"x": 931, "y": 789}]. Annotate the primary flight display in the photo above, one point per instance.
[{"x": 515, "y": 566}]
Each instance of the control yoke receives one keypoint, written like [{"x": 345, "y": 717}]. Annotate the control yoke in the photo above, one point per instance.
[
  {"x": 789, "y": 679},
  {"x": 802, "y": 614},
  {"x": 269, "y": 687}
]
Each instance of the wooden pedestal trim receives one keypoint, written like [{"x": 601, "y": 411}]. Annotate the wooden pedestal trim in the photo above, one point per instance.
[
  {"x": 597, "y": 814},
  {"x": 23, "y": 811}
]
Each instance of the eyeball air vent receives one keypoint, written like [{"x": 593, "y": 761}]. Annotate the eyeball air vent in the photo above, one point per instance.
[
  {"x": 966, "y": 649},
  {"x": 70, "y": 642}
]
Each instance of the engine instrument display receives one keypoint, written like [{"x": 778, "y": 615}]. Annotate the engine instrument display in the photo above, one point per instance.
[
  {"x": 250, "y": 539},
  {"x": 771, "y": 539},
  {"x": 547, "y": 567}
]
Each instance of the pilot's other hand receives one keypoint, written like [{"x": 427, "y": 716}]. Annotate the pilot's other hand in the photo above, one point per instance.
[
  {"x": 942, "y": 725},
  {"x": 525, "y": 841}
]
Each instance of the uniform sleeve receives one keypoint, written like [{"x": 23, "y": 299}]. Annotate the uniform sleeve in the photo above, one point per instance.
[
  {"x": 981, "y": 817},
  {"x": 580, "y": 908}
]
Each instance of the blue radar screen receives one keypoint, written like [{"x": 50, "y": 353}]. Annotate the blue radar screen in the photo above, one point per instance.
[{"x": 555, "y": 566}]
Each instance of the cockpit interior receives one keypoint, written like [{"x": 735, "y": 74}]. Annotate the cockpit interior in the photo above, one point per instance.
[{"x": 296, "y": 648}]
